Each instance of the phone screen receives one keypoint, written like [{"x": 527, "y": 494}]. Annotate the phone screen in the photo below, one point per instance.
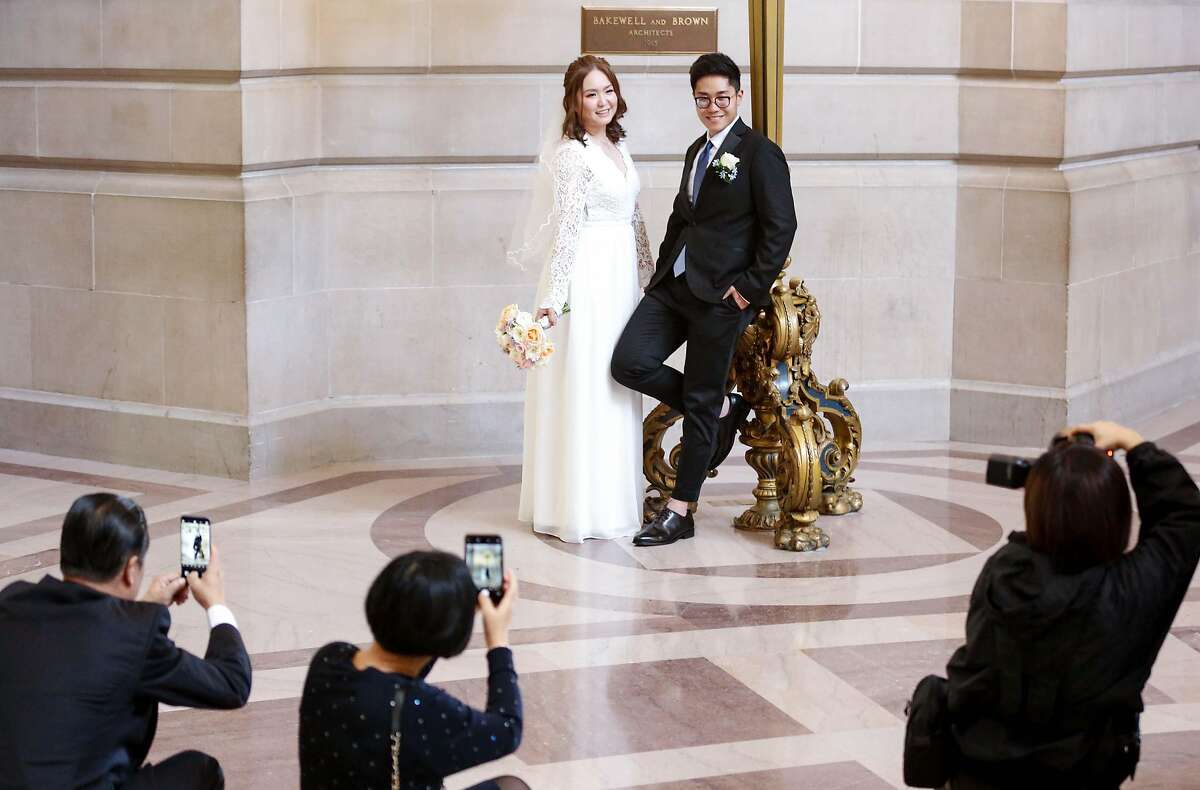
[
  {"x": 195, "y": 543},
  {"x": 485, "y": 559}
]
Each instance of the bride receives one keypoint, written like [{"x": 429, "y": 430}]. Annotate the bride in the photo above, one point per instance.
[{"x": 583, "y": 438}]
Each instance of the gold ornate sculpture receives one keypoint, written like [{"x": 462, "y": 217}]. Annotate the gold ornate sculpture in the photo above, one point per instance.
[{"x": 805, "y": 438}]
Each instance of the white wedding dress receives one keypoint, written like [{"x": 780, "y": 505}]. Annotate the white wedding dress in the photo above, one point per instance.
[{"x": 581, "y": 475}]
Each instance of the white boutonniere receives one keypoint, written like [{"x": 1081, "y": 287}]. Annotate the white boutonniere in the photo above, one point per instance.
[{"x": 726, "y": 167}]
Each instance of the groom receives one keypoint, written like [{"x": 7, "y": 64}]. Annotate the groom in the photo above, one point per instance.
[{"x": 727, "y": 239}]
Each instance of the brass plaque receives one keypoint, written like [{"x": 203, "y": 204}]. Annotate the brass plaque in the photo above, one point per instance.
[{"x": 649, "y": 31}]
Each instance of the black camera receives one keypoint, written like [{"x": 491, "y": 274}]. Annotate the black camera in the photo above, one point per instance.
[{"x": 1011, "y": 471}]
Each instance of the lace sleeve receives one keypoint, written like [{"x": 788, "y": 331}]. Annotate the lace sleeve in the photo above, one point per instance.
[
  {"x": 645, "y": 257},
  {"x": 571, "y": 178}
]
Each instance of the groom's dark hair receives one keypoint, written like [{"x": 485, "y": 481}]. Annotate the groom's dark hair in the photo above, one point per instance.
[{"x": 716, "y": 64}]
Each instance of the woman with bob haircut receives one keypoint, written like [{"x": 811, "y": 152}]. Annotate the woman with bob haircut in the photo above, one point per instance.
[
  {"x": 1065, "y": 620},
  {"x": 368, "y": 718}
]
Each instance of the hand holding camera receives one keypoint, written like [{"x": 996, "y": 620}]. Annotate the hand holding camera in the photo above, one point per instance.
[{"x": 1107, "y": 435}]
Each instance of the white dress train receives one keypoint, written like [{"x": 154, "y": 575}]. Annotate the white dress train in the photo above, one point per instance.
[{"x": 581, "y": 471}]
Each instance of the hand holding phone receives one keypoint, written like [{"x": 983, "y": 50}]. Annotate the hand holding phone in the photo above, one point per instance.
[
  {"x": 484, "y": 555},
  {"x": 496, "y": 619},
  {"x": 195, "y": 544}
]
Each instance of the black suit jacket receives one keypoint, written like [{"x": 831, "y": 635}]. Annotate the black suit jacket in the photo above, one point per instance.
[
  {"x": 81, "y": 676},
  {"x": 738, "y": 233}
]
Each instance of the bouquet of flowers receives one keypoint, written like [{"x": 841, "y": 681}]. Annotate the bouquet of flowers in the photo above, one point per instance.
[{"x": 522, "y": 338}]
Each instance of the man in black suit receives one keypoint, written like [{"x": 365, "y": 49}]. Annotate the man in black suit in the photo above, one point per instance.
[
  {"x": 83, "y": 665},
  {"x": 727, "y": 239}
]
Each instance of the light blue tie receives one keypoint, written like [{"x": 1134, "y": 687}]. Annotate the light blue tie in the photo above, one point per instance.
[
  {"x": 697, "y": 180},
  {"x": 701, "y": 166}
]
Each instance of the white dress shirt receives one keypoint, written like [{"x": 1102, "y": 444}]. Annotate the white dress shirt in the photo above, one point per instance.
[
  {"x": 220, "y": 614},
  {"x": 717, "y": 141}
]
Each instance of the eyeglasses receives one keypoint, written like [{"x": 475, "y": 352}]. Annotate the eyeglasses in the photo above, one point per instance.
[{"x": 703, "y": 102}]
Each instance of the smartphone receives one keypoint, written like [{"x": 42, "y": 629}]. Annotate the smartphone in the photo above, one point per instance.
[
  {"x": 485, "y": 559},
  {"x": 195, "y": 544}
]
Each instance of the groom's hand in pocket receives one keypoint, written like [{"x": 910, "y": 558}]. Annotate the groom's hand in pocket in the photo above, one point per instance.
[
  {"x": 737, "y": 297},
  {"x": 549, "y": 314}
]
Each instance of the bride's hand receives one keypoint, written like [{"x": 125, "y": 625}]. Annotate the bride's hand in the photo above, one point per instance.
[{"x": 549, "y": 314}]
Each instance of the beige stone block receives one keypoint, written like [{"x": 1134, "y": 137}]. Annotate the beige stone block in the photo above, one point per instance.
[
  {"x": 821, "y": 33},
  {"x": 396, "y": 342},
  {"x": 1040, "y": 36},
  {"x": 856, "y": 115},
  {"x": 288, "y": 343},
  {"x": 1011, "y": 332},
  {"x": 377, "y": 32},
  {"x": 1155, "y": 37},
  {"x": 656, "y": 205},
  {"x": 310, "y": 243},
  {"x": 1084, "y": 319},
  {"x": 186, "y": 248},
  {"x": 906, "y": 327},
  {"x": 986, "y": 35},
  {"x": 910, "y": 33},
  {"x": 269, "y": 246},
  {"x": 206, "y": 126},
  {"x": 828, "y": 240},
  {"x": 908, "y": 232},
  {"x": 1013, "y": 419},
  {"x": 205, "y": 355},
  {"x": 838, "y": 350},
  {"x": 1109, "y": 117},
  {"x": 40, "y": 34},
  {"x": 472, "y": 233},
  {"x": 379, "y": 240},
  {"x": 662, "y": 119},
  {"x": 102, "y": 345},
  {"x": 188, "y": 446},
  {"x": 172, "y": 34},
  {"x": 47, "y": 239},
  {"x": 299, "y": 34},
  {"x": 1179, "y": 292},
  {"x": 16, "y": 337},
  {"x": 406, "y": 117},
  {"x": 281, "y": 121},
  {"x": 980, "y": 221},
  {"x": 18, "y": 121},
  {"x": 260, "y": 26},
  {"x": 1165, "y": 218},
  {"x": 1130, "y": 324},
  {"x": 473, "y": 33},
  {"x": 102, "y": 122},
  {"x": 1010, "y": 119},
  {"x": 1104, "y": 233},
  {"x": 1096, "y": 36},
  {"x": 1179, "y": 107},
  {"x": 1191, "y": 33},
  {"x": 1036, "y": 232}
]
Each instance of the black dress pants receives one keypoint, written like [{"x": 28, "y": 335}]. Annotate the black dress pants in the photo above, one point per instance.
[
  {"x": 666, "y": 318},
  {"x": 190, "y": 770}
]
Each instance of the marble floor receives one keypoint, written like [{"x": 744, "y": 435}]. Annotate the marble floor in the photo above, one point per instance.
[{"x": 718, "y": 662}]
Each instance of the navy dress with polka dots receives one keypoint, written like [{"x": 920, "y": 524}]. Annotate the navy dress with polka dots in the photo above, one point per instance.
[{"x": 346, "y": 724}]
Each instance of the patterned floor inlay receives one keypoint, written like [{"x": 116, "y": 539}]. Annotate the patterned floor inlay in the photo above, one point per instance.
[{"x": 712, "y": 664}]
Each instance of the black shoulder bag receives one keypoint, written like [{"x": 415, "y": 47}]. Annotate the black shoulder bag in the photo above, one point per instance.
[{"x": 929, "y": 749}]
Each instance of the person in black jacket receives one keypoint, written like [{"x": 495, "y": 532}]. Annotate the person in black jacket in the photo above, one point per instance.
[
  {"x": 83, "y": 665},
  {"x": 369, "y": 719},
  {"x": 1065, "y": 623},
  {"x": 727, "y": 239}
]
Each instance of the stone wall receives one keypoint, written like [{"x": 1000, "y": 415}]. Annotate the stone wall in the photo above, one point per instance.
[{"x": 250, "y": 237}]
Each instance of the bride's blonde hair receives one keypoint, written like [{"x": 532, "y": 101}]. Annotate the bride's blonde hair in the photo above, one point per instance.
[{"x": 572, "y": 89}]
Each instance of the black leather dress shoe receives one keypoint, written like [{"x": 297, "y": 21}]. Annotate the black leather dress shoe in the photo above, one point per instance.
[
  {"x": 727, "y": 429},
  {"x": 666, "y": 528}
]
